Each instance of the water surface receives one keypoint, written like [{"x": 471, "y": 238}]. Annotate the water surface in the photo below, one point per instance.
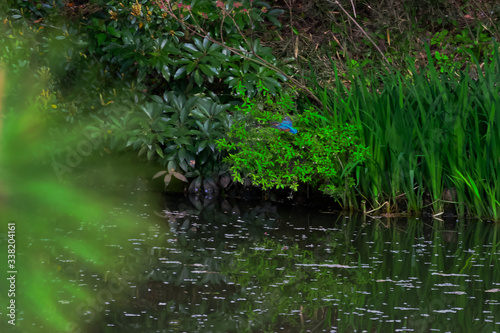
[{"x": 145, "y": 262}]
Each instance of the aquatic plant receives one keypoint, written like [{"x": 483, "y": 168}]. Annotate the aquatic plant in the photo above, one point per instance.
[{"x": 427, "y": 133}]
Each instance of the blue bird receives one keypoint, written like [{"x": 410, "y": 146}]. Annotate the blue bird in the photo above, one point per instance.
[{"x": 285, "y": 125}]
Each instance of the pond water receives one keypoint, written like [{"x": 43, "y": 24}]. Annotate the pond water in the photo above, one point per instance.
[{"x": 145, "y": 262}]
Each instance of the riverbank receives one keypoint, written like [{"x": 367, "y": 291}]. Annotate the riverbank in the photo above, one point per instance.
[{"x": 401, "y": 118}]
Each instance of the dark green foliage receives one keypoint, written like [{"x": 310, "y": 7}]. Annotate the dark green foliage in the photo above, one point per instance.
[
  {"x": 159, "y": 79},
  {"x": 153, "y": 43},
  {"x": 175, "y": 131},
  {"x": 134, "y": 74}
]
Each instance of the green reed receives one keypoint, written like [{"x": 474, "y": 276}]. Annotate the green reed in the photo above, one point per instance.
[{"x": 429, "y": 134}]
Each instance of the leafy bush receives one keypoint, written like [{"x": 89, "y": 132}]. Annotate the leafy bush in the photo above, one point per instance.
[
  {"x": 154, "y": 47},
  {"x": 163, "y": 46},
  {"x": 322, "y": 153},
  {"x": 137, "y": 75}
]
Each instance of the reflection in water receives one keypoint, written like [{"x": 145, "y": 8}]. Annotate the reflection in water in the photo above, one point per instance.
[
  {"x": 95, "y": 253},
  {"x": 110, "y": 258},
  {"x": 202, "y": 265}
]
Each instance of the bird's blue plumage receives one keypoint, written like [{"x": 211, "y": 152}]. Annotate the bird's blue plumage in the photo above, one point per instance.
[{"x": 286, "y": 125}]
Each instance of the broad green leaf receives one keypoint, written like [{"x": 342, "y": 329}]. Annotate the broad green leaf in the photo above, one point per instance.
[
  {"x": 181, "y": 141},
  {"x": 191, "y": 102},
  {"x": 182, "y": 154},
  {"x": 198, "y": 78},
  {"x": 179, "y": 73},
  {"x": 157, "y": 99},
  {"x": 183, "y": 165},
  {"x": 131, "y": 141},
  {"x": 111, "y": 30},
  {"x": 275, "y": 21},
  {"x": 165, "y": 71},
  {"x": 101, "y": 38},
  {"x": 172, "y": 166},
  {"x": 163, "y": 43},
  {"x": 190, "y": 47},
  {"x": 206, "y": 44},
  {"x": 170, "y": 148},
  {"x": 127, "y": 37},
  {"x": 159, "y": 151},
  {"x": 143, "y": 149},
  {"x": 150, "y": 155},
  {"x": 184, "y": 114},
  {"x": 198, "y": 43},
  {"x": 197, "y": 113},
  {"x": 191, "y": 66},
  {"x": 214, "y": 47},
  {"x": 202, "y": 127},
  {"x": 200, "y": 146},
  {"x": 209, "y": 70}
]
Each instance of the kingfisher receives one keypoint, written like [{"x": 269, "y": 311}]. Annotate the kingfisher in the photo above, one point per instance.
[{"x": 285, "y": 125}]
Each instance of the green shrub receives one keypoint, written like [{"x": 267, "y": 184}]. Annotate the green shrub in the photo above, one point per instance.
[
  {"x": 137, "y": 75},
  {"x": 164, "y": 45},
  {"x": 322, "y": 153}
]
